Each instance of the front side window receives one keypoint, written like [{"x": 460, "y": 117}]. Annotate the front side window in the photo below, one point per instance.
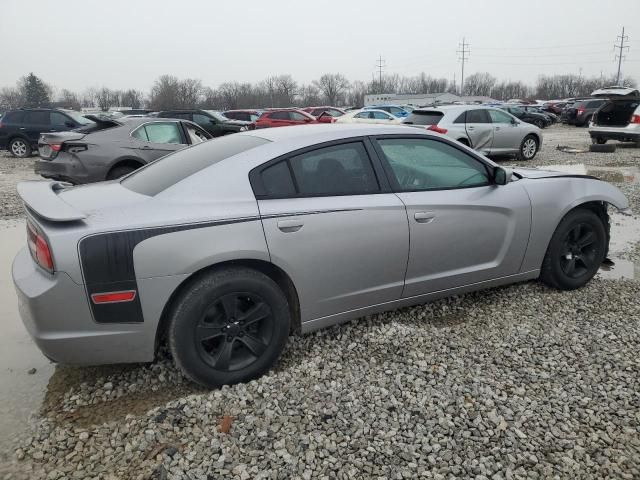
[
  {"x": 362, "y": 115},
  {"x": 279, "y": 116},
  {"x": 423, "y": 164},
  {"x": 499, "y": 117},
  {"x": 298, "y": 117},
  {"x": 59, "y": 120}
]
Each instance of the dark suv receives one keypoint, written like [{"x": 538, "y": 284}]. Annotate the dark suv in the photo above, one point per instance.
[
  {"x": 212, "y": 121},
  {"x": 582, "y": 111},
  {"x": 20, "y": 129}
]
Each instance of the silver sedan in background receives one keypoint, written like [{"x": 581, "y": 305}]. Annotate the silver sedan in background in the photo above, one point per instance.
[
  {"x": 224, "y": 248},
  {"x": 488, "y": 130}
]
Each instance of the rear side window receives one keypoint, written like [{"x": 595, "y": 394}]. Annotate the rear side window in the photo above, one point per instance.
[
  {"x": 478, "y": 116},
  {"x": 167, "y": 171},
  {"x": 418, "y": 117},
  {"x": 13, "y": 117},
  {"x": 168, "y": 132},
  {"x": 279, "y": 115},
  {"x": 338, "y": 170},
  {"x": 343, "y": 169},
  {"x": 36, "y": 118},
  {"x": 595, "y": 104}
]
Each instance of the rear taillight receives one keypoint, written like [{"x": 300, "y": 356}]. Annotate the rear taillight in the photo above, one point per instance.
[
  {"x": 56, "y": 147},
  {"x": 635, "y": 119},
  {"x": 437, "y": 129},
  {"x": 581, "y": 110},
  {"x": 1, "y": 125},
  {"x": 39, "y": 248}
]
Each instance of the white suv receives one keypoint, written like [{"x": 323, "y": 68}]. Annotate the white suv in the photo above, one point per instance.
[{"x": 619, "y": 118}]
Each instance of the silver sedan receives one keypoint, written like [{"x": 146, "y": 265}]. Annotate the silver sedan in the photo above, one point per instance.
[
  {"x": 223, "y": 249},
  {"x": 488, "y": 130}
]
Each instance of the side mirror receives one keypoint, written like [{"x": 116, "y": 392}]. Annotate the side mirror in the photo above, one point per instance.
[{"x": 502, "y": 175}]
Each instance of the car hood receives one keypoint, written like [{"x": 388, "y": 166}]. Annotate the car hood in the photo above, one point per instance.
[{"x": 525, "y": 172}]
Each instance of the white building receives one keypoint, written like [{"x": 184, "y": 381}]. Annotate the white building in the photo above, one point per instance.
[{"x": 422, "y": 99}]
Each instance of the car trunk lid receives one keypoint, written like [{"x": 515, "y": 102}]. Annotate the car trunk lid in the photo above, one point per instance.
[
  {"x": 43, "y": 200},
  {"x": 618, "y": 112},
  {"x": 50, "y": 144}
]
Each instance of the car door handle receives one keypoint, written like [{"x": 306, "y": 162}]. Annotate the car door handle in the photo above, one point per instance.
[
  {"x": 424, "y": 217},
  {"x": 290, "y": 226},
  {"x": 145, "y": 147},
  {"x": 22, "y": 128},
  {"x": 497, "y": 128},
  {"x": 470, "y": 128}
]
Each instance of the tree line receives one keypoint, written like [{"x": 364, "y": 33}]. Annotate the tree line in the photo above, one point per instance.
[{"x": 170, "y": 92}]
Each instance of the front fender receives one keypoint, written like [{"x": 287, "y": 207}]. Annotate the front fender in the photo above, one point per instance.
[{"x": 552, "y": 198}]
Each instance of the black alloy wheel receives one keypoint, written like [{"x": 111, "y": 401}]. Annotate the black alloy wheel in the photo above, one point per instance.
[
  {"x": 579, "y": 252},
  {"x": 234, "y": 331}
]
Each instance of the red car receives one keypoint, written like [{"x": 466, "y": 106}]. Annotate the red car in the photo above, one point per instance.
[
  {"x": 246, "y": 115},
  {"x": 282, "y": 117},
  {"x": 317, "y": 111}
]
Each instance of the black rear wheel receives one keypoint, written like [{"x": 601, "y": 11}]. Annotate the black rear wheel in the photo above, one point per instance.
[
  {"x": 118, "y": 172},
  {"x": 229, "y": 326},
  {"x": 576, "y": 251}
]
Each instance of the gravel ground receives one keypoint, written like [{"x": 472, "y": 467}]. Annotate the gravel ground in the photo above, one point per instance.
[
  {"x": 12, "y": 171},
  {"x": 515, "y": 382}
]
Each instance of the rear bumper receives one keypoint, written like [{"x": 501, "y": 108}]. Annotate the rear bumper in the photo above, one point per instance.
[
  {"x": 63, "y": 168},
  {"x": 55, "y": 312},
  {"x": 621, "y": 135}
]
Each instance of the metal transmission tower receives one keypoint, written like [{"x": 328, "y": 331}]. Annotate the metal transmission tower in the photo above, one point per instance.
[
  {"x": 464, "y": 56},
  {"x": 619, "y": 56},
  {"x": 380, "y": 65}
]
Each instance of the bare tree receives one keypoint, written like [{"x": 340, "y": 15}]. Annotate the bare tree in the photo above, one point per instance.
[
  {"x": 287, "y": 88},
  {"x": 10, "y": 98},
  {"x": 189, "y": 91},
  {"x": 164, "y": 93},
  {"x": 106, "y": 98},
  {"x": 132, "y": 98},
  {"x": 479, "y": 84},
  {"x": 333, "y": 86}
]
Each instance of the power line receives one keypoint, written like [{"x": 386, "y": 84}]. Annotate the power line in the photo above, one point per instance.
[
  {"x": 544, "y": 48},
  {"x": 380, "y": 65},
  {"x": 619, "y": 55},
  {"x": 546, "y": 55},
  {"x": 463, "y": 58}
]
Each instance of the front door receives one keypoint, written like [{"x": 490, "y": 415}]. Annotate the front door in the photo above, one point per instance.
[
  {"x": 157, "y": 139},
  {"x": 330, "y": 226},
  {"x": 463, "y": 228},
  {"x": 507, "y": 132}
]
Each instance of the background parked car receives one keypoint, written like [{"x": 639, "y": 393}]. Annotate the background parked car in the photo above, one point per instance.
[
  {"x": 245, "y": 115},
  {"x": 581, "y": 111},
  {"x": 554, "y": 106},
  {"x": 394, "y": 110},
  {"x": 488, "y": 130},
  {"x": 618, "y": 118},
  {"x": 20, "y": 129},
  {"x": 212, "y": 121},
  {"x": 553, "y": 118},
  {"x": 369, "y": 116},
  {"x": 114, "y": 149},
  {"x": 284, "y": 117},
  {"x": 534, "y": 118},
  {"x": 317, "y": 111}
]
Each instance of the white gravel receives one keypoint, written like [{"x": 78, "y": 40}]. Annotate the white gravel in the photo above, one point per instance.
[{"x": 516, "y": 382}]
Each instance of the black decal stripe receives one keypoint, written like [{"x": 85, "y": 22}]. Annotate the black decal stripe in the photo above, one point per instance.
[{"x": 107, "y": 266}]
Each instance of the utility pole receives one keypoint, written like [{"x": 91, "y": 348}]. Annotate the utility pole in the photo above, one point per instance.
[
  {"x": 464, "y": 56},
  {"x": 380, "y": 66},
  {"x": 619, "y": 56}
]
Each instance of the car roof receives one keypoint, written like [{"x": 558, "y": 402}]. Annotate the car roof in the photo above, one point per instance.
[{"x": 450, "y": 108}]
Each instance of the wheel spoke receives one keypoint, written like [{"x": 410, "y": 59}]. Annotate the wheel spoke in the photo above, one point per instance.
[
  {"x": 570, "y": 267},
  {"x": 257, "y": 313},
  {"x": 586, "y": 239},
  {"x": 223, "y": 360},
  {"x": 229, "y": 305},
  {"x": 207, "y": 332},
  {"x": 255, "y": 344},
  {"x": 585, "y": 261},
  {"x": 574, "y": 233}
]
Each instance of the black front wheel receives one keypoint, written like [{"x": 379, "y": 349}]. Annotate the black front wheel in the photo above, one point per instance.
[
  {"x": 576, "y": 251},
  {"x": 229, "y": 326}
]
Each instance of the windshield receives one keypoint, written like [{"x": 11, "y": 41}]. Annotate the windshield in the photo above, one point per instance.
[
  {"x": 418, "y": 117},
  {"x": 217, "y": 115}
]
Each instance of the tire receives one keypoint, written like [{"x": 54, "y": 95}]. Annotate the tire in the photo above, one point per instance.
[
  {"x": 19, "y": 147},
  {"x": 570, "y": 262},
  {"x": 118, "y": 172},
  {"x": 608, "y": 148},
  {"x": 528, "y": 149},
  {"x": 215, "y": 304},
  {"x": 598, "y": 140}
]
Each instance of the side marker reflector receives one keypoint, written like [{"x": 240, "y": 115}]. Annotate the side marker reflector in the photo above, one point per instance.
[{"x": 113, "y": 297}]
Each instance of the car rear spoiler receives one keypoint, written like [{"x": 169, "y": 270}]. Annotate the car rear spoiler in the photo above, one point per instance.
[{"x": 41, "y": 197}]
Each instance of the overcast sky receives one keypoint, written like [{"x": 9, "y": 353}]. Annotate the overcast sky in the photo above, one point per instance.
[{"x": 77, "y": 44}]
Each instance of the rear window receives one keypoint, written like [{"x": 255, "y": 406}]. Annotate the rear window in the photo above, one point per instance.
[
  {"x": 169, "y": 170},
  {"x": 418, "y": 117}
]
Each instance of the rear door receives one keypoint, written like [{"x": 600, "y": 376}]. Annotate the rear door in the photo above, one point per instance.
[
  {"x": 279, "y": 119},
  {"x": 35, "y": 123},
  {"x": 332, "y": 223},
  {"x": 157, "y": 139},
  {"x": 479, "y": 129},
  {"x": 463, "y": 229}
]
